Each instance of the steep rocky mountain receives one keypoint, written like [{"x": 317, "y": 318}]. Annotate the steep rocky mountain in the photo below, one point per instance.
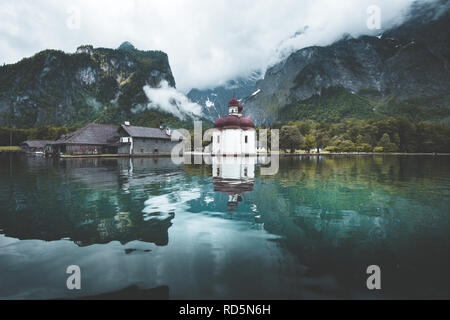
[
  {"x": 101, "y": 85},
  {"x": 404, "y": 71},
  {"x": 214, "y": 101}
]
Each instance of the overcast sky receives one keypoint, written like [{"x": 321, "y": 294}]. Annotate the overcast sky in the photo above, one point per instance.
[{"x": 208, "y": 41}]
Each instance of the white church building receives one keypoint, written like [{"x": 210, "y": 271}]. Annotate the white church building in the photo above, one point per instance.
[
  {"x": 234, "y": 134},
  {"x": 233, "y": 176}
]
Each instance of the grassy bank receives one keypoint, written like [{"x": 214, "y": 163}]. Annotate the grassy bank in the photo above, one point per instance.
[{"x": 9, "y": 149}]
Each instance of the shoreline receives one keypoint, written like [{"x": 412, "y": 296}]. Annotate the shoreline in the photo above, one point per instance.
[
  {"x": 327, "y": 154},
  {"x": 11, "y": 151},
  {"x": 100, "y": 156},
  {"x": 366, "y": 154},
  {"x": 93, "y": 156}
]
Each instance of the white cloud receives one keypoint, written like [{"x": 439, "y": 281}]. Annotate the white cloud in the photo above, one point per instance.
[
  {"x": 208, "y": 42},
  {"x": 171, "y": 100}
]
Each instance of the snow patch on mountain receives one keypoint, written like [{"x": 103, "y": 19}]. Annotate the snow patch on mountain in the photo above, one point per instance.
[{"x": 209, "y": 103}]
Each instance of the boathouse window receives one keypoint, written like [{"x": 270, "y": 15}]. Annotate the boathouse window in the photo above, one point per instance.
[
  {"x": 245, "y": 172},
  {"x": 246, "y": 139}
]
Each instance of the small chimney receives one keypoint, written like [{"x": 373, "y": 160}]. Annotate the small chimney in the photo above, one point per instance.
[{"x": 127, "y": 123}]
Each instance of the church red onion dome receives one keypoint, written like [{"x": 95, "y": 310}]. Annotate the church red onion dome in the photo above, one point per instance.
[
  {"x": 219, "y": 123},
  {"x": 232, "y": 187},
  {"x": 231, "y": 122},
  {"x": 247, "y": 123},
  {"x": 234, "y": 122},
  {"x": 233, "y": 102}
]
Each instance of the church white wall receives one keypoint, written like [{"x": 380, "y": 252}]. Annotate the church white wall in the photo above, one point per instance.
[
  {"x": 231, "y": 138},
  {"x": 232, "y": 141},
  {"x": 239, "y": 168},
  {"x": 216, "y": 146},
  {"x": 250, "y": 146}
]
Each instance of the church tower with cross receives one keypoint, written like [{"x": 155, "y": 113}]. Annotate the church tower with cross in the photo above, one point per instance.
[{"x": 234, "y": 134}]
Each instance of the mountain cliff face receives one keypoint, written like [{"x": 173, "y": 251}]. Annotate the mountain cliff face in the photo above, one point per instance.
[
  {"x": 403, "y": 71},
  {"x": 102, "y": 85},
  {"x": 214, "y": 101}
]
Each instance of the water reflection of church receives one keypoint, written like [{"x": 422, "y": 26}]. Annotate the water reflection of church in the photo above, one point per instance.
[{"x": 233, "y": 176}]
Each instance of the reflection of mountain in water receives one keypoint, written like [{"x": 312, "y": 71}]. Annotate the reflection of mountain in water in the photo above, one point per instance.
[
  {"x": 310, "y": 231},
  {"x": 89, "y": 201},
  {"x": 233, "y": 176},
  {"x": 124, "y": 228}
]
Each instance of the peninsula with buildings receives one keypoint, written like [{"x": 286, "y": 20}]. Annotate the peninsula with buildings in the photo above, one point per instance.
[{"x": 105, "y": 139}]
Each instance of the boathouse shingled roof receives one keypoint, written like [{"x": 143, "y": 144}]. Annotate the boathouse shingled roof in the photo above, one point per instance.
[
  {"x": 143, "y": 132},
  {"x": 36, "y": 143},
  {"x": 92, "y": 134}
]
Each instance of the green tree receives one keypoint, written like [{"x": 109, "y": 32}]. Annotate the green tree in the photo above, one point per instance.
[
  {"x": 305, "y": 127},
  {"x": 364, "y": 147},
  {"x": 291, "y": 138},
  {"x": 386, "y": 144},
  {"x": 378, "y": 149},
  {"x": 310, "y": 142},
  {"x": 345, "y": 146},
  {"x": 321, "y": 139}
]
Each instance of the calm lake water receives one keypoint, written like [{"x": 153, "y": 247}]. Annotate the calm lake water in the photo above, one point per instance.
[{"x": 195, "y": 231}]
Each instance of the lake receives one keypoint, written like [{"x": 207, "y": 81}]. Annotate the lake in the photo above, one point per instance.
[{"x": 224, "y": 231}]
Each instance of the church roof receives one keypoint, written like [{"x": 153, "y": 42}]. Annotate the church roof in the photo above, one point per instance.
[
  {"x": 234, "y": 122},
  {"x": 235, "y": 103},
  {"x": 232, "y": 187}
]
